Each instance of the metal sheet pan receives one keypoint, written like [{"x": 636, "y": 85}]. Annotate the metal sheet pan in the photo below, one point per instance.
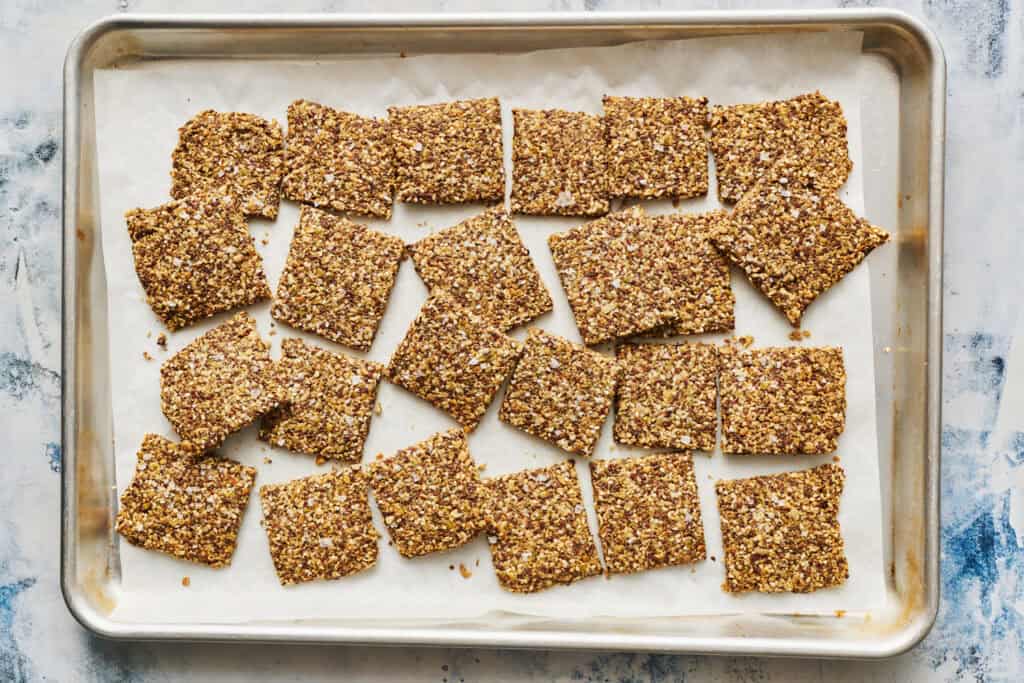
[{"x": 904, "y": 191}]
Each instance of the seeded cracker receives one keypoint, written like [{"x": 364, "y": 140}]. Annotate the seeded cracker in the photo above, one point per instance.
[
  {"x": 648, "y": 512},
  {"x": 238, "y": 154},
  {"x": 320, "y": 527},
  {"x": 337, "y": 278},
  {"x": 657, "y": 146},
  {"x": 558, "y": 163},
  {"x": 666, "y": 396},
  {"x": 794, "y": 238},
  {"x": 339, "y": 160},
  {"x": 781, "y": 532},
  {"x": 330, "y": 399},
  {"x": 454, "y": 359},
  {"x": 449, "y": 153},
  {"x": 747, "y": 139},
  {"x": 621, "y": 274},
  {"x": 430, "y": 494},
  {"x": 540, "y": 532},
  {"x": 183, "y": 504},
  {"x": 484, "y": 265},
  {"x": 560, "y": 392},
  {"x": 782, "y": 401},
  {"x": 219, "y": 383},
  {"x": 195, "y": 258}
]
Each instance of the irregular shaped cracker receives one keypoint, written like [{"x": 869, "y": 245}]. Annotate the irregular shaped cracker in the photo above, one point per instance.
[
  {"x": 484, "y": 265},
  {"x": 337, "y": 278},
  {"x": 183, "y": 504},
  {"x": 330, "y": 402},
  {"x": 781, "y": 532},
  {"x": 540, "y": 532},
  {"x": 195, "y": 258}
]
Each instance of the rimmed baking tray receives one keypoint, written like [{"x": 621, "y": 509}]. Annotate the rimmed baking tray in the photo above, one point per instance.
[{"x": 904, "y": 192}]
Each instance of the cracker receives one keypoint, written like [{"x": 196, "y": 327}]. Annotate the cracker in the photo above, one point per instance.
[
  {"x": 183, "y": 504},
  {"x": 793, "y": 237},
  {"x": 560, "y": 392},
  {"x": 657, "y": 146},
  {"x": 449, "y": 153},
  {"x": 230, "y": 153},
  {"x": 454, "y": 359},
  {"x": 558, "y": 163},
  {"x": 430, "y": 494},
  {"x": 320, "y": 527},
  {"x": 747, "y": 139},
  {"x": 484, "y": 265},
  {"x": 648, "y": 512},
  {"x": 782, "y": 401},
  {"x": 540, "y": 532},
  {"x": 330, "y": 402},
  {"x": 666, "y": 396},
  {"x": 219, "y": 383},
  {"x": 337, "y": 278},
  {"x": 195, "y": 258},
  {"x": 339, "y": 160},
  {"x": 781, "y": 532}
]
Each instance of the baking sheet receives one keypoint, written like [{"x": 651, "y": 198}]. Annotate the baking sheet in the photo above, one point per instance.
[{"x": 138, "y": 110}]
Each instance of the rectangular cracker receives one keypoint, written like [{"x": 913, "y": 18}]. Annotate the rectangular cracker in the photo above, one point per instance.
[
  {"x": 330, "y": 402},
  {"x": 339, "y": 160},
  {"x": 747, "y": 139},
  {"x": 195, "y": 258},
  {"x": 793, "y": 237},
  {"x": 657, "y": 146},
  {"x": 781, "y": 532},
  {"x": 430, "y": 494},
  {"x": 219, "y": 383},
  {"x": 782, "y": 401},
  {"x": 454, "y": 359},
  {"x": 241, "y": 155},
  {"x": 183, "y": 504},
  {"x": 540, "y": 537},
  {"x": 648, "y": 512},
  {"x": 484, "y": 265},
  {"x": 320, "y": 527},
  {"x": 666, "y": 396},
  {"x": 560, "y": 392},
  {"x": 558, "y": 163},
  {"x": 337, "y": 278},
  {"x": 449, "y": 153}
]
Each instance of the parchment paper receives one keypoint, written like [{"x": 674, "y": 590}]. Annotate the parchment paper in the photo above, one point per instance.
[{"x": 138, "y": 111}]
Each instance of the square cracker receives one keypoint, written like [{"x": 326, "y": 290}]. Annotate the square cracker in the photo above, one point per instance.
[
  {"x": 320, "y": 527},
  {"x": 449, "y": 153},
  {"x": 657, "y": 146},
  {"x": 793, "y": 237},
  {"x": 454, "y": 359},
  {"x": 648, "y": 512},
  {"x": 781, "y": 532},
  {"x": 339, "y": 160},
  {"x": 540, "y": 532},
  {"x": 219, "y": 383},
  {"x": 337, "y": 278},
  {"x": 782, "y": 401},
  {"x": 430, "y": 494},
  {"x": 558, "y": 163},
  {"x": 183, "y": 504},
  {"x": 484, "y": 265},
  {"x": 330, "y": 402},
  {"x": 195, "y": 258},
  {"x": 560, "y": 392},
  {"x": 747, "y": 139},
  {"x": 230, "y": 153},
  {"x": 666, "y": 396}
]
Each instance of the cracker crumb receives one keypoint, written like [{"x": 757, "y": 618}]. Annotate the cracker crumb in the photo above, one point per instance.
[
  {"x": 267, "y": 460},
  {"x": 145, "y": 354},
  {"x": 321, "y": 460},
  {"x": 186, "y": 581},
  {"x": 161, "y": 341},
  {"x": 378, "y": 409},
  {"x": 465, "y": 571}
]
